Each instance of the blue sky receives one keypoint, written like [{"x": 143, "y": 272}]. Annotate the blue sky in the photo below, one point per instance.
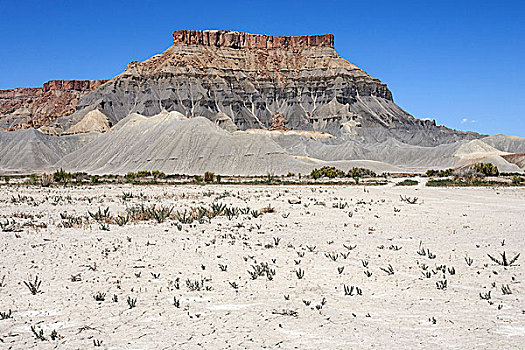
[{"x": 459, "y": 62}]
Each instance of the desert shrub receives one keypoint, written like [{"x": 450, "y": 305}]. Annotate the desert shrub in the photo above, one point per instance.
[
  {"x": 487, "y": 169},
  {"x": 130, "y": 177},
  {"x": 143, "y": 173},
  {"x": 361, "y": 172},
  {"x": 158, "y": 174},
  {"x": 440, "y": 183},
  {"x": 407, "y": 182},
  {"x": 62, "y": 176},
  {"x": 516, "y": 180},
  {"x": 439, "y": 173},
  {"x": 209, "y": 176},
  {"x": 330, "y": 172}
]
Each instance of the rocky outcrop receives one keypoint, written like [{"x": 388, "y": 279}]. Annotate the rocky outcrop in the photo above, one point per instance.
[
  {"x": 239, "y": 40},
  {"x": 247, "y": 79},
  {"x": 24, "y": 108}
]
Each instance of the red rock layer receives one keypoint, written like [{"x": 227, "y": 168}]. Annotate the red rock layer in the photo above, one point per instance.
[
  {"x": 240, "y": 40},
  {"x": 35, "y": 107}
]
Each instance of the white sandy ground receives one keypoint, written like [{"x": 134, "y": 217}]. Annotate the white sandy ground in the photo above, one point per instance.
[{"x": 394, "y": 311}]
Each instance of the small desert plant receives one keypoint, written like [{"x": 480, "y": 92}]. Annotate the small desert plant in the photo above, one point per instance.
[
  {"x": 349, "y": 290},
  {"x": 234, "y": 285},
  {"x": 441, "y": 284},
  {"x": 430, "y": 254},
  {"x": 340, "y": 269},
  {"x": 127, "y": 195},
  {"x": 505, "y": 289},
  {"x": 368, "y": 273},
  {"x": 34, "y": 287},
  {"x": 99, "y": 296},
  {"x": 176, "y": 302},
  {"x": 299, "y": 273},
  {"x": 332, "y": 256},
  {"x": 409, "y": 200},
  {"x": 54, "y": 335},
  {"x": 97, "y": 342},
  {"x": 132, "y": 302},
  {"x": 485, "y": 296},
  {"x": 122, "y": 220},
  {"x": 38, "y": 335},
  {"x": 389, "y": 269},
  {"x": 223, "y": 267},
  {"x": 5, "y": 315},
  {"x": 504, "y": 261},
  {"x": 261, "y": 270},
  {"x": 160, "y": 214},
  {"x": 115, "y": 298},
  {"x": 194, "y": 285},
  {"x": 469, "y": 261}
]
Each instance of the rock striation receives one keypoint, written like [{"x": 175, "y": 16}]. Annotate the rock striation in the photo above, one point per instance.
[
  {"x": 240, "y": 40},
  {"x": 24, "y": 108}
]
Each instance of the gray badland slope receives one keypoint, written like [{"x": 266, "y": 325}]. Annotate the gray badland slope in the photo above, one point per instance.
[
  {"x": 511, "y": 144},
  {"x": 29, "y": 150},
  {"x": 173, "y": 144}
]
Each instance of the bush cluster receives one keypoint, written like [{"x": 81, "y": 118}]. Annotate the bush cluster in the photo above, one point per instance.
[
  {"x": 440, "y": 173},
  {"x": 332, "y": 172}
]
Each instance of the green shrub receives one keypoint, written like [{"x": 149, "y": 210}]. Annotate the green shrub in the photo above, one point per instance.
[
  {"x": 440, "y": 183},
  {"x": 360, "y": 172},
  {"x": 158, "y": 174},
  {"x": 487, "y": 169},
  {"x": 209, "y": 176},
  {"x": 407, "y": 182},
  {"x": 330, "y": 172},
  {"x": 130, "y": 177},
  {"x": 62, "y": 176},
  {"x": 143, "y": 173},
  {"x": 439, "y": 173}
]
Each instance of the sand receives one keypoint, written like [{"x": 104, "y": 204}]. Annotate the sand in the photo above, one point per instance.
[{"x": 145, "y": 260}]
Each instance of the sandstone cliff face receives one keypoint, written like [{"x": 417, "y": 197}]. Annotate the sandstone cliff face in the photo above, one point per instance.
[{"x": 35, "y": 107}]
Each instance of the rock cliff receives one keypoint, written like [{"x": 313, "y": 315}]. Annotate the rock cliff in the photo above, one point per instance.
[{"x": 24, "y": 108}]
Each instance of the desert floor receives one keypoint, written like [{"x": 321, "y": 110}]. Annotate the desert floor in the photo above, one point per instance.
[{"x": 336, "y": 236}]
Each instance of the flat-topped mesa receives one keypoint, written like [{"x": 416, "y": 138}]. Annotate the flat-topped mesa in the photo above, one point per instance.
[{"x": 241, "y": 40}]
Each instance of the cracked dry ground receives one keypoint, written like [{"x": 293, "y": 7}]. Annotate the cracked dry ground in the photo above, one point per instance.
[{"x": 235, "y": 274}]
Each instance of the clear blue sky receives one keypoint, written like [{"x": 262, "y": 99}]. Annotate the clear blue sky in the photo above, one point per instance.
[{"x": 459, "y": 62}]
